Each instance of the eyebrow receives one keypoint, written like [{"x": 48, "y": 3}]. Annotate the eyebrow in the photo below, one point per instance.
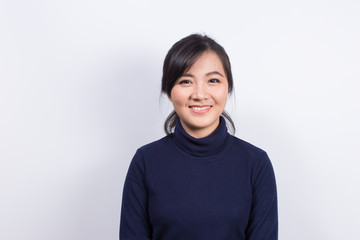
[
  {"x": 207, "y": 74},
  {"x": 214, "y": 72}
]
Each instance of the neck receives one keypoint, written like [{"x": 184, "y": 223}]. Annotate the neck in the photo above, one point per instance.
[
  {"x": 205, "y": 146},
  {"x": 200, "y": 132}
]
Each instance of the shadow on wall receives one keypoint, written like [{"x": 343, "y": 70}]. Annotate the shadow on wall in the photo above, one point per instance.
[{"x": 298, "y": 180}]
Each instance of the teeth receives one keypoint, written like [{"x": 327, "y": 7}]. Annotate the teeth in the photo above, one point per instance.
[{"x": 200, "y": 108}]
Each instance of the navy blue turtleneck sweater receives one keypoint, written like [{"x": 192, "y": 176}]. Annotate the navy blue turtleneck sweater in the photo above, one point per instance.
[{"x": 213, "y": 188}]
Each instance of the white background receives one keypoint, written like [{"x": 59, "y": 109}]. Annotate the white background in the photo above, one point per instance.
[{"x": 80, "y": 92}]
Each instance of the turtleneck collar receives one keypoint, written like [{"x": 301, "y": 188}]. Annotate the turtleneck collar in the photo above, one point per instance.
[{"x": 201, "y": 147}]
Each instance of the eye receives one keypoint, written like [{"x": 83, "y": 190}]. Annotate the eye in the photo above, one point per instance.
[
  {"x": 214, "y": 80},
  {"x": 185, "y": 82}
]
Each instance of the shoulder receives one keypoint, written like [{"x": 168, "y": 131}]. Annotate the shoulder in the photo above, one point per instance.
[
  {"x": 246, "y": 147},
  {"x": 248, "y": 151},
  {"x": 257, "y": 159},
  {"x": 156, "y": 145},
  {"x": 153, "y": 149},
  {"x": 148, "y": 151},
  {"x": 152, "y": 155}
]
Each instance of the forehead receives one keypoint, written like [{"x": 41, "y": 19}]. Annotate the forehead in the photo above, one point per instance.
[{"x": 208, "y": 61}]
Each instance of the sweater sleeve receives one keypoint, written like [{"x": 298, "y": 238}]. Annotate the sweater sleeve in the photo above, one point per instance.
[
  {"x": 263, "y": 221},
  {"x": 134, "y": 222}
]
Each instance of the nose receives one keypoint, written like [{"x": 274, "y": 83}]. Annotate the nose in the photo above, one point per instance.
[{"x": 199, "y": 92}]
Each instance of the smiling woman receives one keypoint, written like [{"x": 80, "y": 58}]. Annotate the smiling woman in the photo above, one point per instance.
[
  {"x": 199, "y": 182},
  {"x": 183, "y": 56},
  {"x": 199, "y": 95}
]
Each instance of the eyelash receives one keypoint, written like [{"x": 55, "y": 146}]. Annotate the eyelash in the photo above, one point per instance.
[
  {"x": 184, "y": 82},
  {"x": 213, "y": 80}
]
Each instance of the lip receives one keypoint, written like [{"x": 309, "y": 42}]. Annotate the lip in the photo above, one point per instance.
[{"x": 199, "y": 109}]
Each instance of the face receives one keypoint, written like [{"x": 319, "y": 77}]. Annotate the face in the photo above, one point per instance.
[{"x": 199, "y": 96}]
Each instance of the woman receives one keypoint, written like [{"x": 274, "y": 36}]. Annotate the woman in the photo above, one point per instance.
[{"x": 199, "y": 182}]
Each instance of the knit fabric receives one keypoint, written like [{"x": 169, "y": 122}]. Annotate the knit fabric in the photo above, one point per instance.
[{"x": 213, "y": 188}]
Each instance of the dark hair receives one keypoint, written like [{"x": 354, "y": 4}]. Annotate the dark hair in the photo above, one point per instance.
[{"x": 181, "y": 56}]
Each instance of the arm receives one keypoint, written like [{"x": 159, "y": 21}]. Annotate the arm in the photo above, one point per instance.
[
  {"x": 134, "y": 222},
  {"x": 263, "y": 221}
]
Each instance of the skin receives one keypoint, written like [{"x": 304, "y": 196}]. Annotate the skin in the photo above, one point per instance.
[{"x": 199, "y": 96}]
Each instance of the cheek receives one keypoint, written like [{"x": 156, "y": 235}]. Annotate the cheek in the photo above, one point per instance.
[
  {"x": 221, "y": 96},
  {"x": 178, "y": 97}
]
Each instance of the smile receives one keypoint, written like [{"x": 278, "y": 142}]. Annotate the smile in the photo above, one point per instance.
[{"x": 200, "y": 109}]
